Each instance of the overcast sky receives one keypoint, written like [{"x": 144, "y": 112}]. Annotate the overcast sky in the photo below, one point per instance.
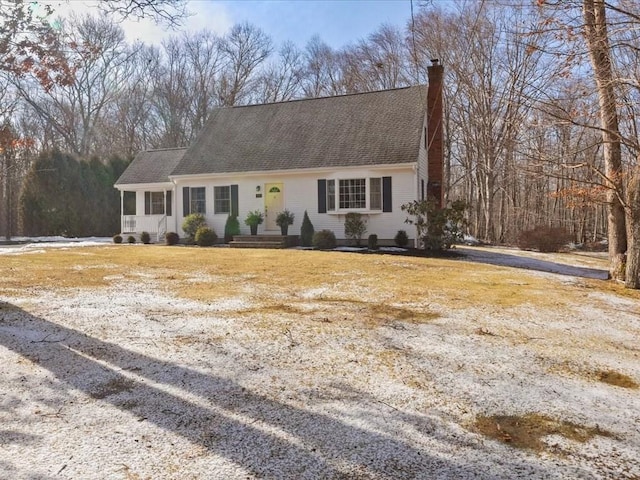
[{"x": 337, "y": 22}]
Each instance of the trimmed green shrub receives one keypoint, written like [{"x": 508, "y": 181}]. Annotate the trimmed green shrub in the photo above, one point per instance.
[
  {"x": 171, "y": 238},
  {"x": 205, "y": 237},
  {"x": 192, "y": 223},
  {"x": 401, "y": 239},
  {"x": 354, "y": 227},
  {"x": 544, "y": 239},
  {"x": 131, "y": 239},
  {"x": 372, "y": 242},
  {"x": 145, "y": 238},
  {"x": 231, "y": 228},
  {"x": 306, "y": 231},
  {"x": 117, "y": 239},
  {"x": 324, "y": 240}
]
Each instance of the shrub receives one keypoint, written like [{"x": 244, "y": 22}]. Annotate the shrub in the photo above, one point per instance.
[
  {"x": 254, "y": 218},
  {"x": 131, "y": 239},
  {"x": 192, "y": 223},
  {"x": 372, "y": 242},
  {"x": 324, "y": 240},
  {"x": 306, "y": 231},
  {"x": 231, "y": 228},
  {"x": 285, "y": 217},
  {"x": 205, "y": 237},
  {"x": 117, "y": 239},
  {"x": 171, "y": 238},
  {"x": 401, "y": 239},
  {"x": 145, "y": 238},
  {"x": 354, "y": 227},
  {"x": 437, "y": 228},
  {"x": 544, "y": 239}
]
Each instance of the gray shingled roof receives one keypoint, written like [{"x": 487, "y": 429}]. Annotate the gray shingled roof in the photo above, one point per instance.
[
  {"x": 381, "y": 127},
  {"x": 152, "y": 166}
]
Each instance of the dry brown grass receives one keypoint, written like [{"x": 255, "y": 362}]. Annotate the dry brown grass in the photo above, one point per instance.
[
  {"x": 211, "y": 274},
  {"x": 617, "y": 379},
  {"x": 528, "y": 431},
  {"x": 608, "y": 376}
]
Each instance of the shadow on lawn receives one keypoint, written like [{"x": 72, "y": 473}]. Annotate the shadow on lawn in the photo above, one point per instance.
[
  {"x": 324, "y": 447},
  {"x": 527, "y": 263}
]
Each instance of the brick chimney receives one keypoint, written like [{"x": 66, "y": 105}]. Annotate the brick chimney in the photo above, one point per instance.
[{"x": 435, "y": 152}]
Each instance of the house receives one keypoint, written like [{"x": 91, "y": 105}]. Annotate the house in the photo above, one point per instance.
[{"x": 365, "y": 152}]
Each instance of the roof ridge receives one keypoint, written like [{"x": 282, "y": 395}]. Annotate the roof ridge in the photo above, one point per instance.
[
  {"x": 165, "y": 149},
  {"x": 342, "y": 95}
]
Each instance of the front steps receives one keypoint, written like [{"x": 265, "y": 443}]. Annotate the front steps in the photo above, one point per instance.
[{"x": 264, "y": 241}]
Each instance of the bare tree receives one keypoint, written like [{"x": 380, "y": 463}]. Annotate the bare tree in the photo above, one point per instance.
[
  {"x": 101, "y": 61},
  {"x": 597, "y": 40},
  {"x": 168, "y": 12},
  {"x": 323, "y": 73},
  {"x": 245, "y": 48},
  {"x": 377, "y": 63},
  {"x": 281, "y": 80}
]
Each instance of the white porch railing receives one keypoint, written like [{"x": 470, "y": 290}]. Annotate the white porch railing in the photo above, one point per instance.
[{"x": 153, "y": 224}]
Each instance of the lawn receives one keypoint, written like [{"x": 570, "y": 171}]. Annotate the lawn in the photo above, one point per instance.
[{"x": 158, "y": 362}]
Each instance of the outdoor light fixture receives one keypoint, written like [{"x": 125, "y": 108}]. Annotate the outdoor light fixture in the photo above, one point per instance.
[{"x": 258, "y": 188}]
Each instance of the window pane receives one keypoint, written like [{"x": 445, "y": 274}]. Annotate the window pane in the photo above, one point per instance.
[
  {"x": 331, "y": 195},
  {"x": 222, "y": 199},
  {"x": 198, "y": 200},
  {"x": 129, "y": 203},
  {"x": 375, "y": 194},
  {"x": 353, "y": 193},
  {"x": 157, "y": 203}
]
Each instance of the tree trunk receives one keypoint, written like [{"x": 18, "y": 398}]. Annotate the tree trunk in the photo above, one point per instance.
[
  {"x": 599, "y": 51},
  {"x": 632, "y": 279}
]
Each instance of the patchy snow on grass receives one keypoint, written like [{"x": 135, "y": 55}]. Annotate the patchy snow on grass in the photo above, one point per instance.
[
  {"x": 131, "y": 381},
  {"x": 39, "y": 244}
]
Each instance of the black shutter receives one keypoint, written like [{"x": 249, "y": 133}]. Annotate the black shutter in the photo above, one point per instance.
[
  {"x": 147, "y": 203},
  {"x": 386, "y": 194},
  {"x": 234, "y": 200},
  {"x": 167, "y": 207},
  {"x": 322, "y": 196},
  {"x": 185, "y": 201}
]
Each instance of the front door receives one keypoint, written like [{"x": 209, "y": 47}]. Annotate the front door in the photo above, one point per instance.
[{"x": 273, "y": 204}]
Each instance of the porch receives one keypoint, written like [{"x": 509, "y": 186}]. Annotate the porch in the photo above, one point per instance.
[{"x": 155, "y": 225}]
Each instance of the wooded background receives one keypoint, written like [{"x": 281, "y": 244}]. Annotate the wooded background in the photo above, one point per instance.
[{"x": 523, "y": 134}]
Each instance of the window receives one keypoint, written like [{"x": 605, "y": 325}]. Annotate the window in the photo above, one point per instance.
[
  {"x": 154, "y": 203},
  {"x": 197, "y": 204},
  {"x": 157, "y": 203},
  {"x": 129, "y": 203},
  {"x": 375, "y": 193},
  {"x": 222, "y": 199},
  {"x": 331, "y": 195},
  {"x": 353, "y": 193}
]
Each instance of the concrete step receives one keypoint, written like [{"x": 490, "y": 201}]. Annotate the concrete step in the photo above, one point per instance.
[
  {"x": 263, "y": 241},
  {"x": 241, "y": 244}
]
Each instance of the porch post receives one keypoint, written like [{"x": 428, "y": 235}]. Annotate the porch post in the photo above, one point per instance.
[{"x": 121, "y": 211}]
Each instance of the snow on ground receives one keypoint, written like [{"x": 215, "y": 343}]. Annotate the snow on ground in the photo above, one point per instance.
[
  {"x": 130, "y": 382},
  {"x": 38, "y": 244}
]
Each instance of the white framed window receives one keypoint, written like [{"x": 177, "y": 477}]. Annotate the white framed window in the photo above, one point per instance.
[
  {"x": 352, "y": 193},
  {"x": 198, "y": 196},
  {"x": 372, "y": 194},
  {"x": 157, "y": 203},
  {"x": 331, "y": 195},
  {"x": 222, "y": 199},
  {"x": 375, "y": 193}
]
